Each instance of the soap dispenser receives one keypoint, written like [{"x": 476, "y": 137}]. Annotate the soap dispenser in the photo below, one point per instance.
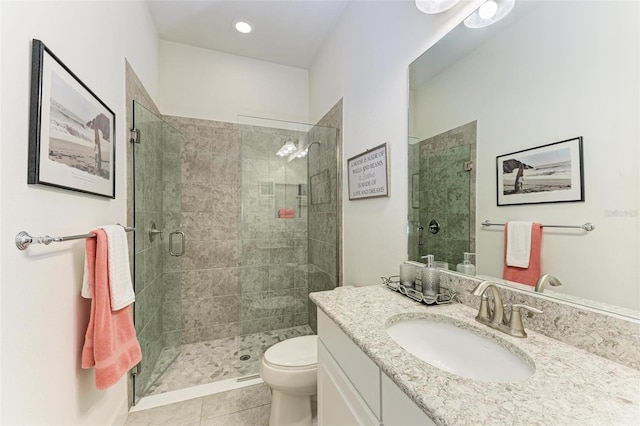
[
  {"x": 430, "y": 278},
  {"x": 466, "y": 267}
]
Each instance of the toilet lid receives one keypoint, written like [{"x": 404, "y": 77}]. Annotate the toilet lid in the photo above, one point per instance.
[{"x": 295, "y": 352}]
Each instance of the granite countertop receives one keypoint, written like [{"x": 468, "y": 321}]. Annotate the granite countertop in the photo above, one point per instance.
[{"x": 569, "y": 387}]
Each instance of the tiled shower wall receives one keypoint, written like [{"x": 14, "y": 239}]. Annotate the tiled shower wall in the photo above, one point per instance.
[
  {"x": 414, "y": 200},
  {"x": 244, "y": 270},
  {"x": 446, "y": 193},
  {"x": 324, "y": 205},
  {"x": 209, "y": 201},
  {"x": 273, "y": 252}
]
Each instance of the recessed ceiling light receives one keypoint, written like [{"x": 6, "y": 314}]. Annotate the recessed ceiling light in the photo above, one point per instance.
[{"x": 242, "y": 26}]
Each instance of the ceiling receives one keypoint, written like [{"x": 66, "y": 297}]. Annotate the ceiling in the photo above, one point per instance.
[{"x": 286, "y": 32}]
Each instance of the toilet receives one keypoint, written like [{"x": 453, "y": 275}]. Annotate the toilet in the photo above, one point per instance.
[{"x": 290, "y": 369}]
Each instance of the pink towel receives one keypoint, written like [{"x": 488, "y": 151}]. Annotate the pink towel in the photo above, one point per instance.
[
  {"x": 531, "y": 274},
  {"x": 110, "y": 343},
  {"x": 286, "y": 213}
]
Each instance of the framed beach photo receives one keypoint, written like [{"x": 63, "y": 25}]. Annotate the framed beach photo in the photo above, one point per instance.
[
  {"x": 71, "y": 131},
  {"x": 550, "y": 173}
]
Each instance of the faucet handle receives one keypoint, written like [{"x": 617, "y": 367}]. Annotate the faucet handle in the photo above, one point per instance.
[
  {"x": 515, "y": 322},
  {"x": 484, "y": 312}
]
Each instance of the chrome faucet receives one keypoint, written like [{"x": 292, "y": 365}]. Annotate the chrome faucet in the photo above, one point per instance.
[
  {"x": 544, "y": 279},
  {"x": 494, "y": 316}
]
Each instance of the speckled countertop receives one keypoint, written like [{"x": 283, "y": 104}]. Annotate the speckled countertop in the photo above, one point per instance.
[{"x": 569, "y": 386}]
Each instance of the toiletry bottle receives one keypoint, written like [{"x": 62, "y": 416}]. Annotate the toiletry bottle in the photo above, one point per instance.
[
  {"x": 466, "y": 267},
  {"x": 407, "y": 275},
  {"x": 430, "y": 278}
]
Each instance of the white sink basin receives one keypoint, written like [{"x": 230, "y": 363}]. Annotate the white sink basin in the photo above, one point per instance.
[{"x": 459, "y": 351}]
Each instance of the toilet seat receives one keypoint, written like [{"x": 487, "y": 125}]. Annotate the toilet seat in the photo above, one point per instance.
[{"x": 295, "y": 353}]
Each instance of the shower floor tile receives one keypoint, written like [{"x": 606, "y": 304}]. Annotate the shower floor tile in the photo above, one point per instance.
[{"x": 214, "y": 360}]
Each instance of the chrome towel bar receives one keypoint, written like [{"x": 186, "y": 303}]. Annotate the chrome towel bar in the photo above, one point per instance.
[
  {"x": 24, "y": 240},
  {"x": 587, "y": 226}
]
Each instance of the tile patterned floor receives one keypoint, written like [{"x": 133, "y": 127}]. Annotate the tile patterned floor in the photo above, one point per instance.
[
  {"x": 214, "y": 360},
  {"x": 249, "y": 406}
]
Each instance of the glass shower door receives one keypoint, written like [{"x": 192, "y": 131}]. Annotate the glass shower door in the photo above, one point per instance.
[
  {"x": 287, "y": 231},
  {"x": 158, "y": 246}
]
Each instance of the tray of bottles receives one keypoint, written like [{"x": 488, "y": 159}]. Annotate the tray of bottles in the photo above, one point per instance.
[{"x": 393, "y": 283}]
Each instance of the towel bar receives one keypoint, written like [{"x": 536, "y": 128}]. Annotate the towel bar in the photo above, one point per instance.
[
  {"x": 587, "y": 226},
  {"x": 24, "y": 240}
]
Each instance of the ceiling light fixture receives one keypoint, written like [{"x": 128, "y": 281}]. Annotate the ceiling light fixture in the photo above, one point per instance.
[
  {"x": 489, "y": 13},
  {"x": 302, "y": 153},
  {"x": 242, "y": 26},
  {"x": 435, "y": 6},
  {"x": 488, "y": 10},
  {"x": 287, "y": 148}
]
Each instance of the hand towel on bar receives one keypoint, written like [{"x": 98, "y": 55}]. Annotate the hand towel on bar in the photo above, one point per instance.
[
  {"x": 110, "y": 343},
  {"x": 120, "y": 283},
  {"x": 527, "y": 275},
  {"x": 518, "y": 243}
]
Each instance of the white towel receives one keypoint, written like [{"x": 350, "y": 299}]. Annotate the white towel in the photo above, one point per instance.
[
  {"x": 518, "y": 244},
  {"x": 120, "y": 284}
]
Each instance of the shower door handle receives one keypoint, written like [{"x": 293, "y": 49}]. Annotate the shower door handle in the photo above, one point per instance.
[{"x": 171, "y": 235}]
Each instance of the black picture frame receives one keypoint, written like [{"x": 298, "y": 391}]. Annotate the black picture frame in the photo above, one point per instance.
[
  {"x": 552, "y": 173},
  {"x": 368, "y": 173},
  {"x": 72, "y": 135}
]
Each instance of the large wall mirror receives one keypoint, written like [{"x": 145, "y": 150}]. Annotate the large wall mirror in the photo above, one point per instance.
[{"x": 548, "y": 72}]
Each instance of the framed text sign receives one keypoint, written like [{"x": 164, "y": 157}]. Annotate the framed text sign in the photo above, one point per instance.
[{"x": 368, "y": 173}]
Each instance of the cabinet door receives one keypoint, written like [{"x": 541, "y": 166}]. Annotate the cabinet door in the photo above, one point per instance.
[
  {"x": 363, "y": 373},
  {"x": 339, "y": 404},
  {"x": 399, "y": 409}
]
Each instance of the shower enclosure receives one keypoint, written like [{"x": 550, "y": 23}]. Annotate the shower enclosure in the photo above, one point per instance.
[{"x": 260, "y": 233}]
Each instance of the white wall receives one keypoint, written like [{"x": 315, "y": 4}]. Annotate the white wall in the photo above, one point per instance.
[
  {"x": 365, "y": 61},
  {"x": 575, "y": 78},
  {"x": 212, "y": 85},
  {"x": 43, "y": 317}
]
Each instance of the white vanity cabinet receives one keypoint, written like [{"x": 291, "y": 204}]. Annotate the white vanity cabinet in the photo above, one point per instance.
[
  {"x": 351, "y": 388},
  {"x": 339, "y": 402},
  {"x": 398, "y": 409},
  {"x": 348, "y": 381}
]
